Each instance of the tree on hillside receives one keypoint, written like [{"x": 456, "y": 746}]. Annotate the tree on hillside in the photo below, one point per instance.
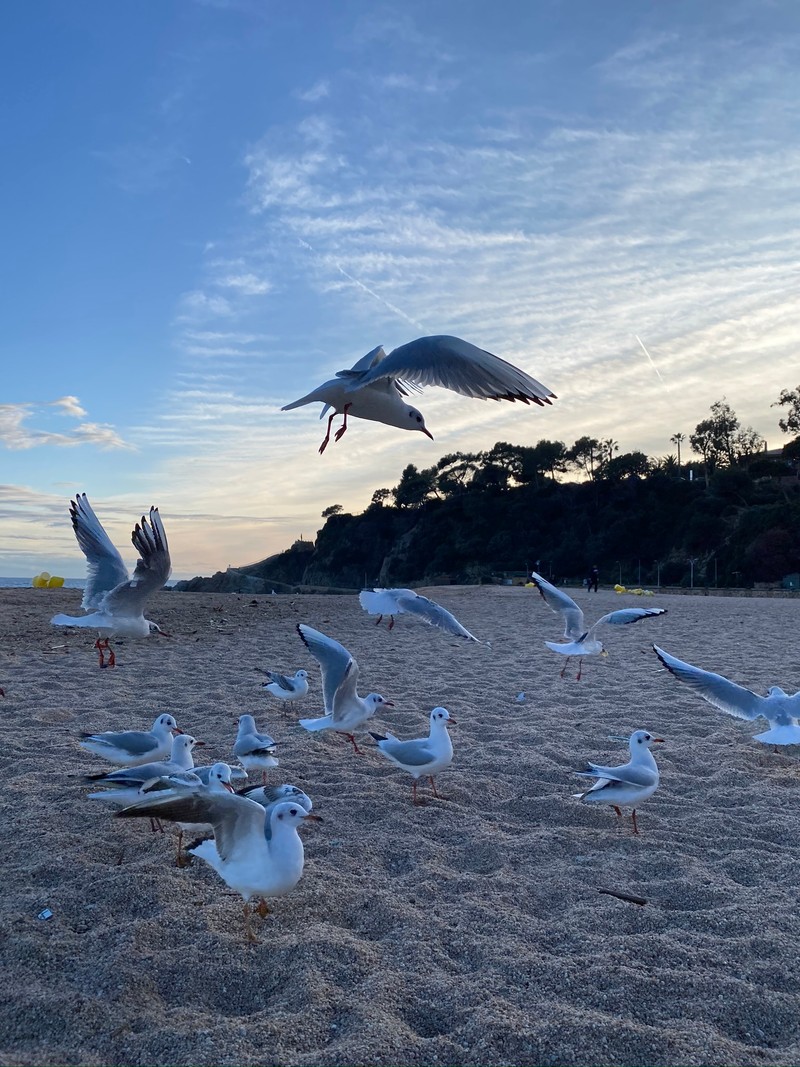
[
  {"x": 722, "y": 441},
  {"x": 586, "y": 455},
  {"x": 455, "y": 471},
  {"x": 791, "y": 400},
  {"x": 415, "y": 487},
  {"x": 380, "y": 496},
  {"x": 334, "y": 509},
  {"x": 677, "y": 439},
  {"x": 550, "y": 457}
]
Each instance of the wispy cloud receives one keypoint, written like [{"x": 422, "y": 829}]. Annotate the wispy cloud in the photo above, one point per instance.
[
  {"x": 16, "y": 435},
  {"x": 318, "y": 91}
]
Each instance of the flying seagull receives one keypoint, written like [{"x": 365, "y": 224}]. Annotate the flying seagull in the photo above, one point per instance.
[
  {"x": 374, "y": 388},
  {"x": 393, "y": 602},
  {"x": 581, "y": 640},
  {"x": 116, "y": 600}
]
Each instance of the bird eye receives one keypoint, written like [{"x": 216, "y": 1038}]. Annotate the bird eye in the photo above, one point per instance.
[
  {"x": 647, "y": 737},
  {"x": 293, "y": 811},
  {"x": 419, "y": 418}
]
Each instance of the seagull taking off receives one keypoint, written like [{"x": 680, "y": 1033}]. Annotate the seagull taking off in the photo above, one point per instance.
[
  {"x": 393, "y": 602},
  {"x": 287, "y": 688},
  {"x": 374, "y": 387},
  {"x": 628, "y": 785},
  {"x": 425, "y": 756},
  {"x": 117, "y": 599},
  {"x": 258, "y": 853},
  {"x": 580, "y": 640},
  {"x": 781, "y": 711},
  {"x": 345, "y": 710}
]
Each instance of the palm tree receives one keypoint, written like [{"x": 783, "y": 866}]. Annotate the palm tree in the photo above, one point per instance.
[{"x": 678, "y": 439}]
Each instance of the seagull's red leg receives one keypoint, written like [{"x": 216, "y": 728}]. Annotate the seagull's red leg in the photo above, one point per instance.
[
  {"x": 565, "y": 667},
  {"x": 352, "y": 741},
  {"x": 635, "y": 827},
  {"x": 112, "y": 659},
  {"x": 616, "y": 809},
  {"x": 580, "y": 665},
  {"x": 324, "y": 444},
  {"x": 248, "y": 932},
  {"x": 380, "y": 620},
  {"x": 391, "y": 622},
  {"x": 343, "y": 427},
  {"x": 433, "y": 787},
  {"x": 262, "y": 908},
  {"x": 414, "y": 793},
  {"x": 100, "y": 655}
]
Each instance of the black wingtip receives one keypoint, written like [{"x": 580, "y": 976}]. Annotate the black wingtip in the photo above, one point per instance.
[{"x": 377, "y": 737}]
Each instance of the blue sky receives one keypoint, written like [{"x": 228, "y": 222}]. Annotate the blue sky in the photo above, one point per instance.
[{"x": 213, "y": 205}]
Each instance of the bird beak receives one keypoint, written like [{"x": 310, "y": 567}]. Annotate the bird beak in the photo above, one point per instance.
[
  {"x": 163, "y": 633},
  {"x": 311, "y": 815},
  {"x": 229, "y": 787},
  {"x": 176, "y": 731},
  {"x": 660, "y": 740},
  {"x": 452, "y": 722},
  {"x": 427, "y": 433},
  {"x": 388, "y": 703},
  {"x": 197, "y": 744}
]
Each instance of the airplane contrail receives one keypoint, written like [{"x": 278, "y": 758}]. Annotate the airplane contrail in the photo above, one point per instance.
[
  {"x": 652, "y": 364},
  {"x": 366, "y": 289}
]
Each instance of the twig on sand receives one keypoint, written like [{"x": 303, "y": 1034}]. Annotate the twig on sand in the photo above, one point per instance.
[{"x": 623, "y": 896}]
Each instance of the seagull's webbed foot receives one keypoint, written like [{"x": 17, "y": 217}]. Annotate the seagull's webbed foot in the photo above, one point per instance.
[
  {"x": 324, "y": 444},
  {"x": 339, "y": 433}
]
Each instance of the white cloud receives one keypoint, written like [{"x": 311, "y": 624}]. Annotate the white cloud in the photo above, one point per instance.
[
  {"x": 246, "y": 284},
  {"x": 15, "y": 435},
  {"x": 70, "y": 405},
  {"x": 318, "y": 91}
]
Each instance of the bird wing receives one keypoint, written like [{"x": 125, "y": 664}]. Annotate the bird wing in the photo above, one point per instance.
[
  {"x": 152, "y": 568},
  {"x": 105, "y": 568},
  {"x": 563, "y": 605},
  {"x": 409, "y": 753},
  {"x": 234, "y": 818},
  {"x": 346, "y": 694},
  {"x": 432, "y": 613},
  {"x": 254, "y": 745},
  {"x": 726, "y": 696},
  {"x": 628, "y": 774},
  {"x": 287, "y": 684},
  {"x": 334, "y": 660},
  {"x": 625, "y": 616},
  {"x": 458, "y": 365},
  {"x": 130, "y": 741}
]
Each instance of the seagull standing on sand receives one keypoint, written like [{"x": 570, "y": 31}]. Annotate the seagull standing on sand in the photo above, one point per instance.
[
  {"x": 425, "y": 756},
  {"x": 781, "y": 711},
  {"x": 393, "y": 602},
  {"x": 126, "y": 785},
  {"x": 132, "y": 747},
  {"x": 255, "y": 751},
  {"x": 257, "y": 853},
  {"x": 345, "y": 710},
  {"x": 117, "y": 600},
  {"x": 628, "y": 785},
  {"x": 580, "y": 640},
  {"x": 287, "y": 688},
  {"x": 374, "y": 387}
]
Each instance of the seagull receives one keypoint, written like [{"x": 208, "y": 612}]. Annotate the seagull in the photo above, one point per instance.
[
  {"x": 133, "y": 747},
  {"x": 287, "y": 688},
  {"x": 781, "y": 711},
  {"x": 258, "y": 853},
  {"x": 374, "y": 387},
  {"x": 117, "y": 599},
  {"x": 255, "y": 751},
  {"x": 345, "y": 710},
  {"x": 266, "y": 796},
  {"x": 126, "y": 784},
  {"x": 628, "y": 785},
  {"x": 217, "y": 779},
  {"x": 580, "y": 640},
  {"x": 393, "y": 602},
  {"x": 425, "y": 756}
]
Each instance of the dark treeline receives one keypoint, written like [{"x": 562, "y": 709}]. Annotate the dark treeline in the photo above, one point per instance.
[{"x": 731, "y": 517}]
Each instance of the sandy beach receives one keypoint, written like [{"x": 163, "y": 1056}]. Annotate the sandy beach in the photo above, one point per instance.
[{"x": 465, "y": 931}]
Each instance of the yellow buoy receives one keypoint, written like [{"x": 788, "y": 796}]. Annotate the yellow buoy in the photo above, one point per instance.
[{"x": 55, "y": 582}]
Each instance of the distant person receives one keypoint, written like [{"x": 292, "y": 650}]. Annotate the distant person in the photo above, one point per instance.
[{"x": 593, "y": 579}]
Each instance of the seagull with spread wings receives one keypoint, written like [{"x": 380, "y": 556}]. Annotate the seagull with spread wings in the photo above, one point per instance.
[
  {"x": 580, "y": 639},
  {"x": 375, "y": 386},
  {"x": 393, "y": 602},
  {"x": 116, "y": 600}
]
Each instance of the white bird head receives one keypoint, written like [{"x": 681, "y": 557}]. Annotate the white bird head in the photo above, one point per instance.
[
  {"x": 375, "y": 700},
  {"x": 640, "y": 739},
  {"x": 301, "y": 675},
  {"x": 245, "y": 723},
  {"x": 185, "y": 742},
  {"x": 165, "y": 724},
  {"x": 288, "y": 814},
  {"x": 219, "y": 777},
  {"x": 154, "y": 628},
  {"x": 416, "y": 421},
  {"x": 441, "y": 716}
]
